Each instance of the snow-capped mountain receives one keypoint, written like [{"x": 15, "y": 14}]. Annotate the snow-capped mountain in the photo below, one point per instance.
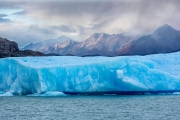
[
  {"x": 46, "y": 44},
  {"x": 96, "y": 44},
  {"x": 63, "y": 48},
  {"x": 164, "y": 39},
  {"x": 102, "y": 44}
]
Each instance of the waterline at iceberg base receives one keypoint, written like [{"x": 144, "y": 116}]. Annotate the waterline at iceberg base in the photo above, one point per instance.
[{"x": 70, "y": 74}]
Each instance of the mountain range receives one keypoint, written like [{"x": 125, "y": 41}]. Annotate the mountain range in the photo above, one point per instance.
[{"x": 163, "y": 40}]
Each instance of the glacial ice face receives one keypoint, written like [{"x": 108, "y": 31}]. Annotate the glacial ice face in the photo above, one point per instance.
[{"x": 28, "y": 75}]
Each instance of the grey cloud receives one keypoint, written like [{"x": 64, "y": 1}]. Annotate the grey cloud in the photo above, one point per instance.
[
  {"x": 99, "y": 9},
  {"x": 14, "y": 3},
  {"x": 64, "y": 28},
  {"x": 20, "y": 36},
  {"x": 20, "y": 13},
  {"x": 3, "y": 15},
  {"x": 154, "y": 13},
  {"x": 36, "y": 28},
  {"x": 4, "y": 20},
  {"x": 101, "y": 24},
  {"x": 145, "y": 11},
  {"x": 22, "y": 41}
]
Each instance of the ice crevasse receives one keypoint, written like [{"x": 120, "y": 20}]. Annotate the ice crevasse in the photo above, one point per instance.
[{"x": 27, "y": 75}]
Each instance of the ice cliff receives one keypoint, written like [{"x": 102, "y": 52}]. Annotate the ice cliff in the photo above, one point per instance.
[{"x": 28, "y": 75}]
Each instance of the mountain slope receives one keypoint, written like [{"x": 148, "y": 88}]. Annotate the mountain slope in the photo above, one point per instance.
[
  {"x": 163, "y": 40},
  {"x": 105, "y": 44}
]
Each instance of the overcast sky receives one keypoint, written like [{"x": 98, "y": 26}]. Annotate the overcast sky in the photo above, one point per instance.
[{"x": 25, "y": 21}]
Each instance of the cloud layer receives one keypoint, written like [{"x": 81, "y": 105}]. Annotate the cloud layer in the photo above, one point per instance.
[{"x": 27, "y": 21}]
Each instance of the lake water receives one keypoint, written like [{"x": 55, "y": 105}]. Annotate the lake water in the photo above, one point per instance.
[{"x": 138, "y": 107}]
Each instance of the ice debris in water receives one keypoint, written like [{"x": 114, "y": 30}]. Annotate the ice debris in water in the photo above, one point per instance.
[
  {"x": 176, "y": 93},
  {"x": 5, "y": 94},
  {"x": 55, "y": 93}
]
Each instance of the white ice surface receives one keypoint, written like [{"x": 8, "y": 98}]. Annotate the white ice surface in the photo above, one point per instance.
[{"x": 27, "y": 75}]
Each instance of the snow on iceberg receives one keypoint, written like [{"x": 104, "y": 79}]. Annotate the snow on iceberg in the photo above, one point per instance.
[{"x": 28, "y": 75}]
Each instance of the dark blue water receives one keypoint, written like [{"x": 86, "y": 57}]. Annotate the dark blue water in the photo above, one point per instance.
[{"x": 140, "y": 107}]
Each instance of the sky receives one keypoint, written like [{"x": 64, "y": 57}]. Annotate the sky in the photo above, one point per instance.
[{"x": 31, "y": 21}]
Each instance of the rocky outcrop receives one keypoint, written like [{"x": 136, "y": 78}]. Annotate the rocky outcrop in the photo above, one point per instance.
[
  {"x": 6, "y": 45},
  {"x": 10, "y": 49}
]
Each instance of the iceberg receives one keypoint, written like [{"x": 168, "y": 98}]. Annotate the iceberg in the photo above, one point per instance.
[{"x": 31, "y": 75}]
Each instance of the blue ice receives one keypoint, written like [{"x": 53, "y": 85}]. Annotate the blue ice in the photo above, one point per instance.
[{"x": 30, "y": 75}]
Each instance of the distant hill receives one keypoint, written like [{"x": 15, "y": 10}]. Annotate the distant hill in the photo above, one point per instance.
[{"x": 163, "y": 40}]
